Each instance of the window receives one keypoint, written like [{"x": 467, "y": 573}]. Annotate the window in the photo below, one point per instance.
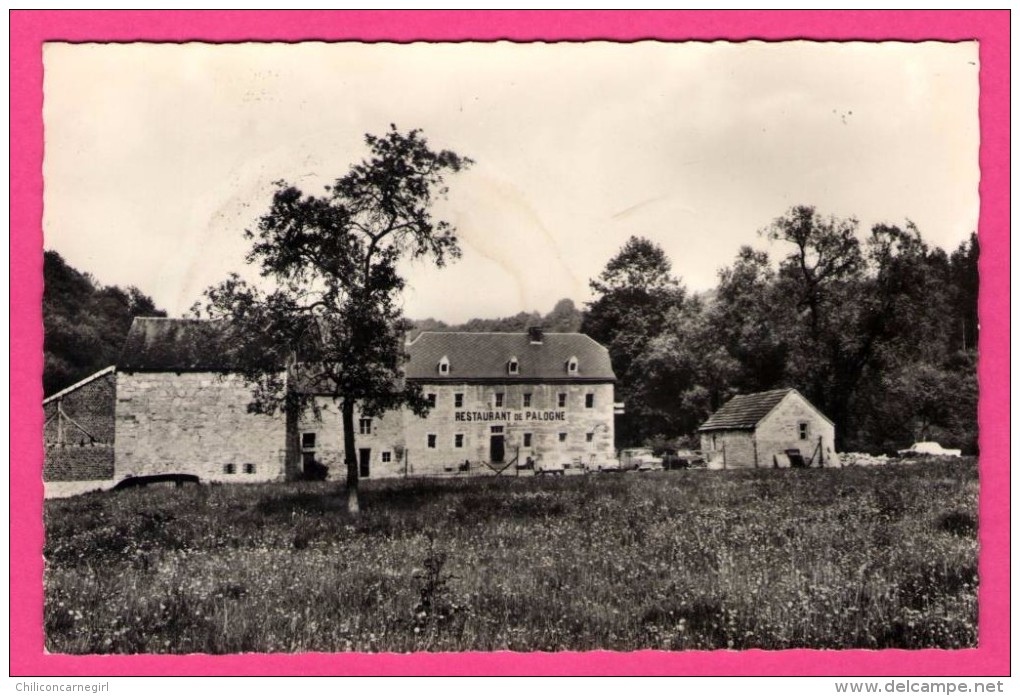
[
  {"x": 387, "y": 457},
  {"x": 444, "y": 365},
  {"x": 431, "y": 399},
  {"x": 563, "y": 437},
  {"x": 249, "y": 468},
  {"x": 802, "y": 429},
  {"x": 562, "y": 400},
  {"x": 527, "y": 439},
  {"x": 588, "y": 437},
  {"x": 365, "y": 426},
  {"x": 499, "y": 399},
  {"x": 458, "y": 400},
  {"x": 527, "y": 400},
  {"x": 513, "y": 367},
  {"x": 572, "y": 365},
  {"x": 432, "y": 441},
  {"x": 589, "y": 401},
  {"x": 307, "y": 440},
  {"x": 228, "y": 468},
  {"x": 458, "y": 440},
  {"x": 496, "y": 429}
]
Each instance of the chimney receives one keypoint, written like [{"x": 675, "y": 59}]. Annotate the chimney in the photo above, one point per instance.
[{"x": 535, "y": 335}]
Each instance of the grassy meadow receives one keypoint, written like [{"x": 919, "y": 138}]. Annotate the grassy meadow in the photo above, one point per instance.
[{"x": 846, "y": 558}]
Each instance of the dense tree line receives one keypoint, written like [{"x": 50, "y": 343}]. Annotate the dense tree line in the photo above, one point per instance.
[
  {"x": 878, "y": 330},
  {"x": 84, "y": 323},
  {"x": 565, "y": 317}
]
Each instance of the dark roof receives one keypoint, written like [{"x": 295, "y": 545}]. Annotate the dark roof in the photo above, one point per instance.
[
  {"x": 157, "y": 344},
  {"x": 484, "y": 356},
  {"x": 745, "y": 411}
]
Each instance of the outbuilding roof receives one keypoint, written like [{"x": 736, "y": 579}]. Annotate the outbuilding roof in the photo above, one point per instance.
[
  {"x": 745, "y": 411},
  {"x": 160, "y": 344},
  {"x": 486, "y": 356}
]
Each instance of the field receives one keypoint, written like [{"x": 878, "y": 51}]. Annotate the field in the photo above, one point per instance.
[{"x": 867, "y": 558}]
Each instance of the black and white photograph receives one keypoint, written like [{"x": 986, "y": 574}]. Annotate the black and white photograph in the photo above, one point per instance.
[{"x": 532, "y": 347}]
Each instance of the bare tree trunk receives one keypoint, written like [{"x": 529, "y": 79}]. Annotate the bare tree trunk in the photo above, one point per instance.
[
  {"x": 350, "y": 456},
  {"x": 292, "y": 447}
]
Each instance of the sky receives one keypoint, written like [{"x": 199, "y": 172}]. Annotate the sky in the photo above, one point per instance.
[{"x": 159, "y": 156}]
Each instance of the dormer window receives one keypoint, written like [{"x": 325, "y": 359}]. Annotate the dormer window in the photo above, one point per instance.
[
  {"x": 444, "y": 365},
  {"x": 512, "y": 366},
  {"x": 572, "y": 365}
]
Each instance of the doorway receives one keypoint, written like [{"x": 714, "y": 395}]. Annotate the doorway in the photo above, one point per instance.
[
  {"x": 364, "y": 460},
  {"x": 497, "y": 446}
]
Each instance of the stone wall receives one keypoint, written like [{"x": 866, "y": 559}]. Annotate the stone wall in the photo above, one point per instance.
[
  {"x": 557, "y": 434},
  {"x": 78, "y": 463},
  {"x": 728, "y": 449},
  {"x": 195, "y": 423},
  {"x": 780, "y": 431},
  {"x": 399, "y": 442},
  {"x": 383, "y": 438}
]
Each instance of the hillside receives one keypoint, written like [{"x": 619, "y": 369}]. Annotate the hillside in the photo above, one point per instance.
[{"x": 84, "y": 322}]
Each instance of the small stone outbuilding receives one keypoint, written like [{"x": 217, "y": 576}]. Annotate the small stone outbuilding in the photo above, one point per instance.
[{"x": 778, "y": 428}]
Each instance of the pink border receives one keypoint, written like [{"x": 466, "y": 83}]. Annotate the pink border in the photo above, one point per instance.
[{"x": 29, "y": 29}]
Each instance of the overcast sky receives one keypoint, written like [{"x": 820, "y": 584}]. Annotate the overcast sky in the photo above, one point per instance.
[{"x": 159, "y": 156}]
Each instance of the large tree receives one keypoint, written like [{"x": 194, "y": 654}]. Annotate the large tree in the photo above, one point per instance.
[
  {"x": 330, "y": 313},
  {"x": 633, "y": 298}
]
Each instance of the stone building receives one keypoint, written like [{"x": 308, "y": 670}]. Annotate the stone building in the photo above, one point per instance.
[
  {"x": 182, "y": 408},
  {"x": 78, "y": 433},
  {"x": 778, "y": 428},
  {"x": 499, "y": 399}
]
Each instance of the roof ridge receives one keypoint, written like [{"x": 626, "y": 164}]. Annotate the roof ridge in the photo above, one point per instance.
[
  {"x": 501, "y": 333},
  {"x": 79, "y": 384}
]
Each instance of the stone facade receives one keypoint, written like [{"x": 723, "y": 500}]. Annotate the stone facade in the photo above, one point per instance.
[
  {"x": 796, "y": 424},
  {"x": 482, "y": 425},
  {"x": 728, "y": 449},
  {"x": 195, "y": 423},
  {"x": 379, "y": 442},
  {"x": 792, "y": 424},
  {"x": 78, "y": 430},
  {"x": 498, "y": 399}
]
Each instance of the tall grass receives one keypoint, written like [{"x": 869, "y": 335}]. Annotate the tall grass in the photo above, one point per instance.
[{"x": 868, "y": 558}]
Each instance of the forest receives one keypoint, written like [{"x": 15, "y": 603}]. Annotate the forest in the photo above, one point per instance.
[
  {"x": 877, "y": 328},
  {"x": 84, "y": 322}
]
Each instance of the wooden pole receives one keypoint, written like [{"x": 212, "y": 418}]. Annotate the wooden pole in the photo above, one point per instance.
[{"x": 60, "y": 423}]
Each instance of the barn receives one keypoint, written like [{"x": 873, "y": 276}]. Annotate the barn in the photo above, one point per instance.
[
  {"x": 182, "y": 407},
  {"x": 778, "y": 428},
  {"x": 498, "y": 400},
  {"x": 78, "y": 435}
]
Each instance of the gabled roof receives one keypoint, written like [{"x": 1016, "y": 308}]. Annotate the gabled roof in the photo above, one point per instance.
[
  {"x": 79, "y": 385},
  {"x": 160, "y": 344},
  {"x": 484, "y": 356},
  {"x": 745, "y": 411}
]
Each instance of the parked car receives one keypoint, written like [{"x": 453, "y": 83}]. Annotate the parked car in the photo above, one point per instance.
[
  {"x": 639, "y": 459},
  {"x": 928, "y": 449},
  {"x": 684, "y": 459},
  {"x": 605, "y": 465}
]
